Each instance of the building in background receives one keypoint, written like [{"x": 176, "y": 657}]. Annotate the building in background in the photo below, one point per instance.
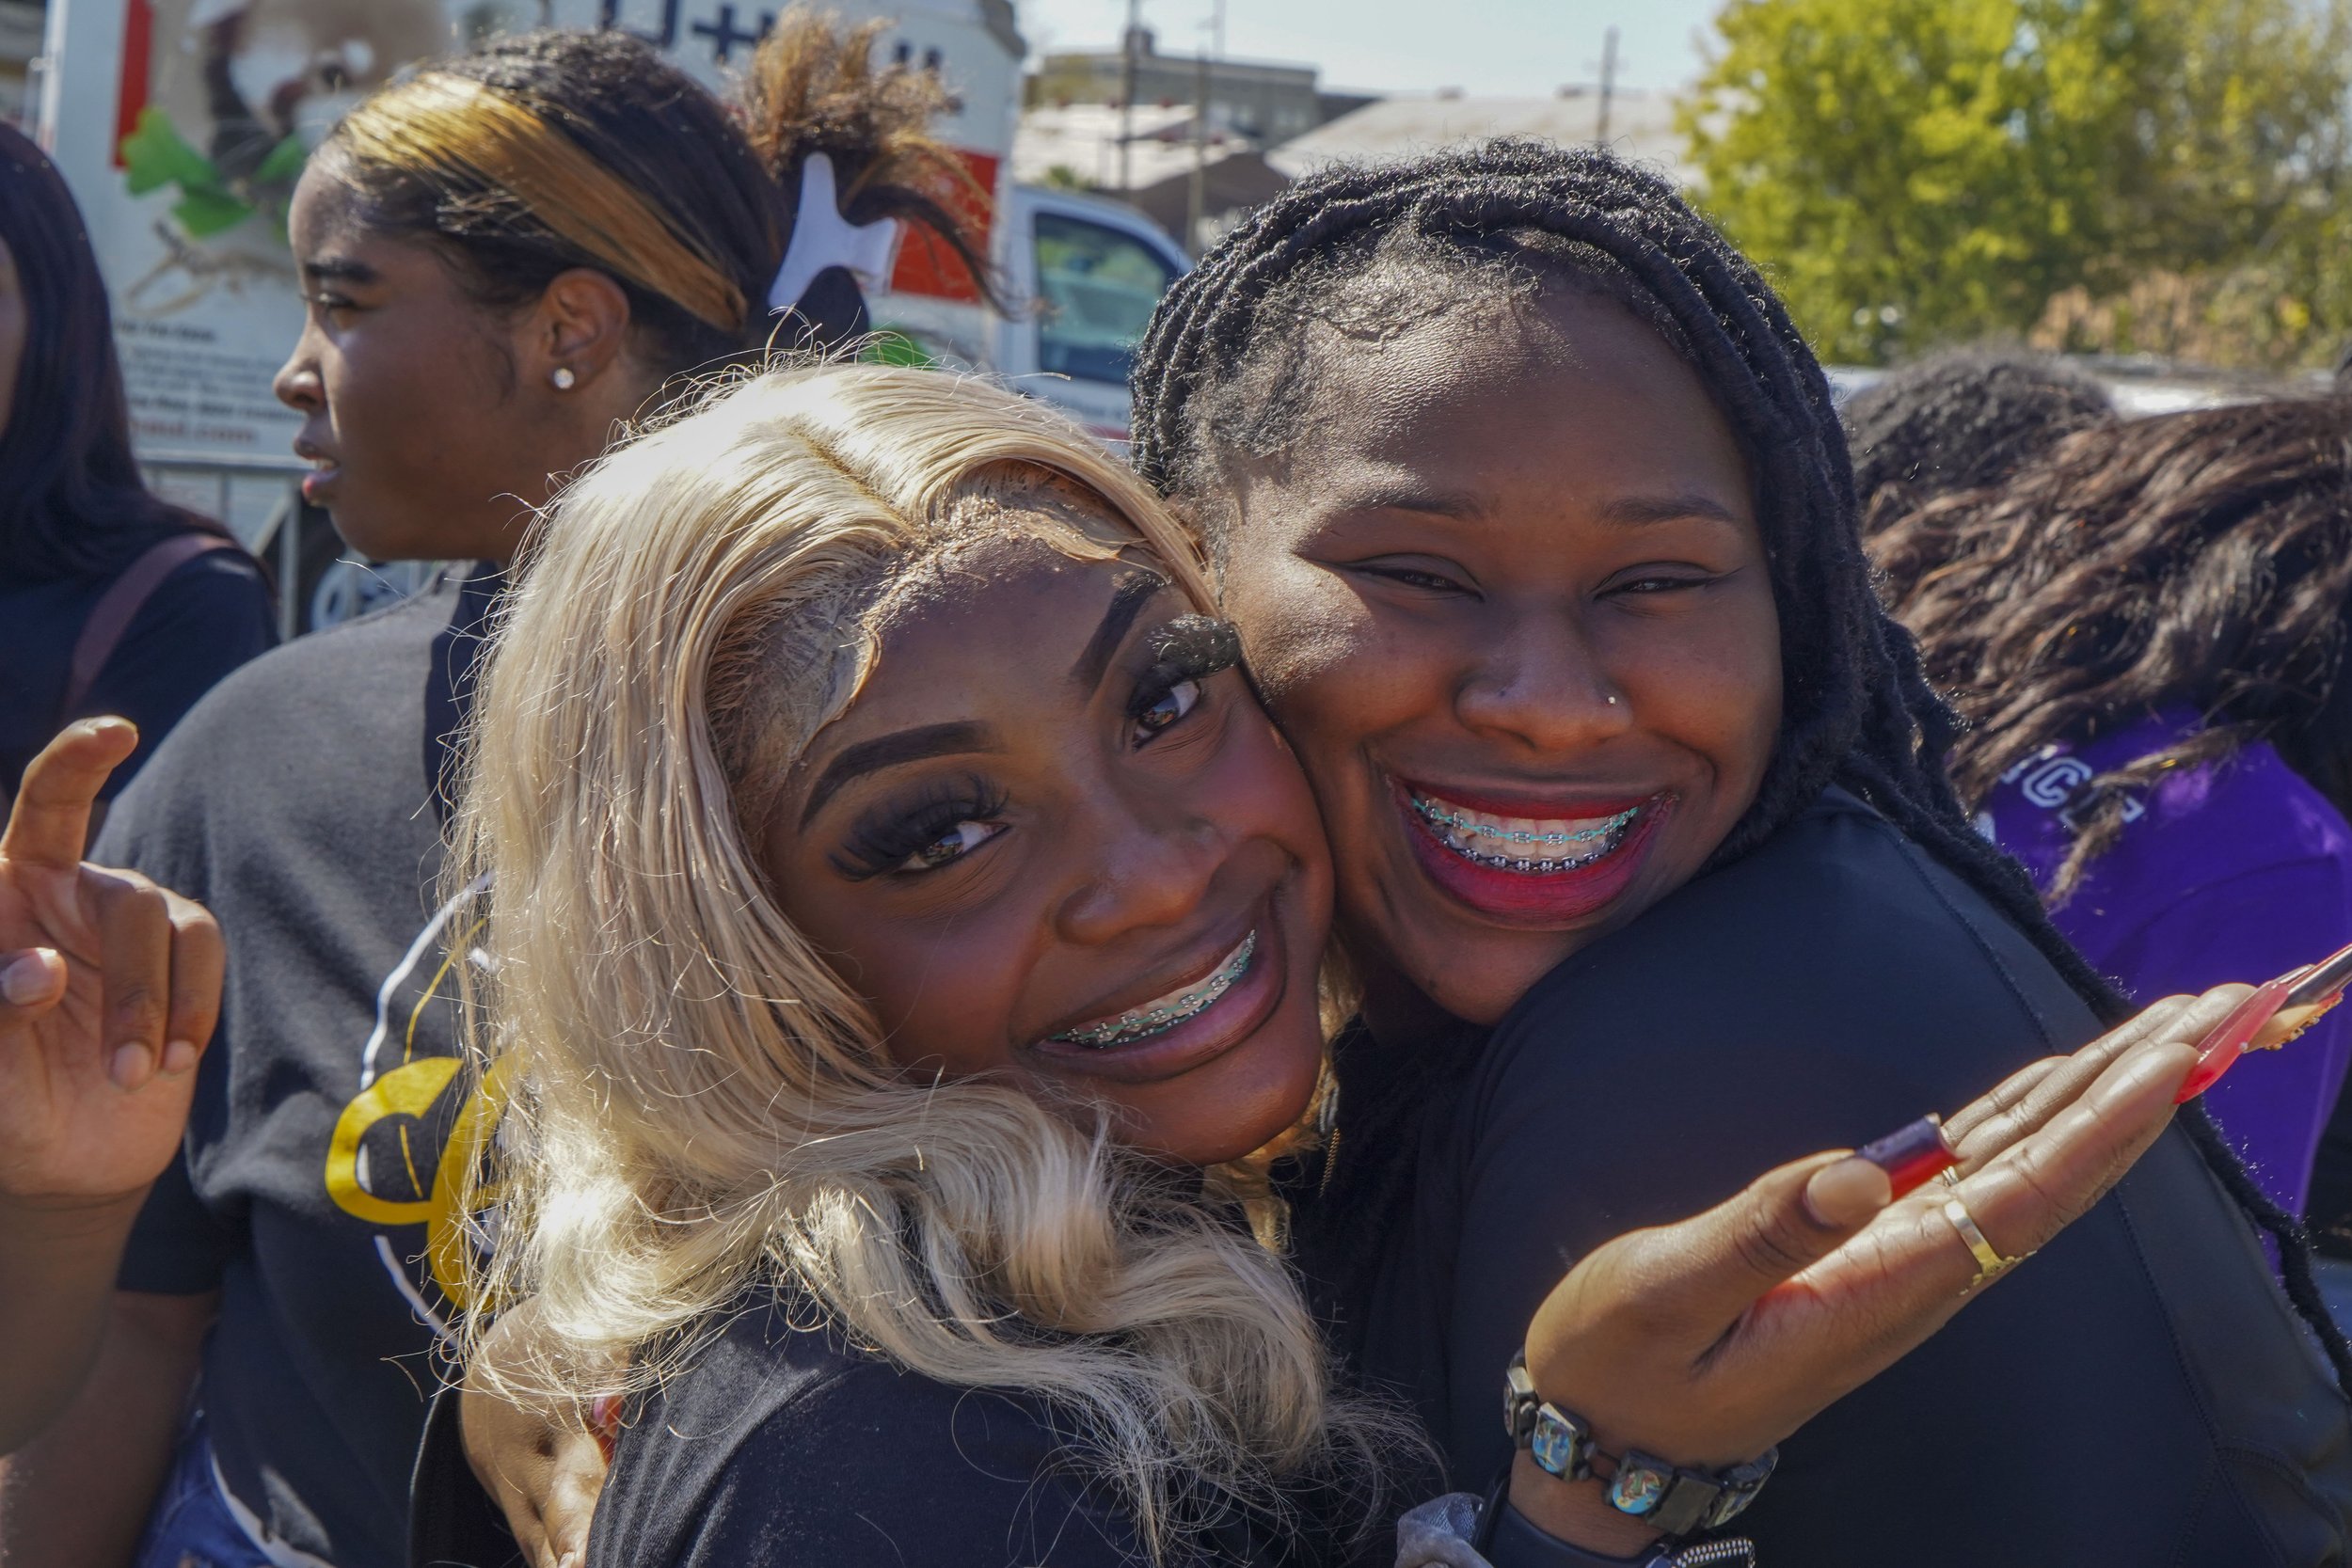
[
  {"x": 1080, "y": 147},
  {"x": 1261, "y": 102},
  {"x": 1181, "y": 138},
  {"x": 1639, "y": 126},
  {"x": 1197, "y": 174}
]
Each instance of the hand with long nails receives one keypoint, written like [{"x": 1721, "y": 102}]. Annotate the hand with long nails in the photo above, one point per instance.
[
  {"x": 1708, "y": 1341},
  {"x": 109, "y": 988}
]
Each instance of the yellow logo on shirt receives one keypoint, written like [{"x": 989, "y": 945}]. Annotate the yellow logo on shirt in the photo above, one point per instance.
[{"x": 405, "y": 1144}]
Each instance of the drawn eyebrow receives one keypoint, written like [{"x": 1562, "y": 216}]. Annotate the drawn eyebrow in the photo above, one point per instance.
[
  {"x": 895, "y": 750},
  {"x": 1136, "y": 589}
]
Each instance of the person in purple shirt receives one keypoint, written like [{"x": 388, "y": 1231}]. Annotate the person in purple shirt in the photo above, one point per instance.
[
  {"x": 2144, "y": 627},
  {"x": 2236, "y": 866}
]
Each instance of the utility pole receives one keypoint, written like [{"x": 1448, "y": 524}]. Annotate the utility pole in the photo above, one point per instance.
[
  {"x": 1128, "y": 95},
  {"x": 1199, "y": 196},
  {"x": 1607, "y": 83},
  {"x": 1195, "y": 208}
]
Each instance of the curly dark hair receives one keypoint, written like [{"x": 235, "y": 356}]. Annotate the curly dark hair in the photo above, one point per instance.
[
  {"x": 1226, "y": 368},
  {"x": 723, "y": 178},
  {"x": 2199, "y": 559},
  {"x": 1959, "y": 420}
]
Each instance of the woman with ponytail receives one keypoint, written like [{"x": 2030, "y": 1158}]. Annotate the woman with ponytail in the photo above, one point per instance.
[{"x": 505, "y": 255}]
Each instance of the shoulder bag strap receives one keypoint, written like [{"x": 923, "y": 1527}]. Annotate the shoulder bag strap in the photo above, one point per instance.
[{"x": 101, "y": 634}]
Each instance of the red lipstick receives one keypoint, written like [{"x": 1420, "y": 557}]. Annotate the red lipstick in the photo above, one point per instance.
[{"x": 1538, "y": 900}]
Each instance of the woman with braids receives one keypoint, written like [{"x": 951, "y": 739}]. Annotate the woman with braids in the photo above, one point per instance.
[
  {"x": 505, "y": 255},
  {"x": 902, "y": 931},
  {"x": 1538, "y": 525},
  {"x": 2144, "y": 631}
]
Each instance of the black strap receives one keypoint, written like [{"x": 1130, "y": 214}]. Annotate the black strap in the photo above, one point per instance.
[{"x": 120, "y": 604}]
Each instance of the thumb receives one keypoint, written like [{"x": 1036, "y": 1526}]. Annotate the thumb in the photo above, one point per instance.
[
  {"x": 32, "y": 981},
  {"x": 1779, "y": 1224}
]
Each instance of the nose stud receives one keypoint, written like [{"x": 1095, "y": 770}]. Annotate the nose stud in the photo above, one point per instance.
[{"x": 1613, "y": 701}]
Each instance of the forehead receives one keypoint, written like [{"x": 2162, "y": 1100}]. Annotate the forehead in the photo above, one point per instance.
[
  {"x": 328, "y": 213},
  {"x": 1564, "y": 387},
  {"x": 987, "y": 630}
]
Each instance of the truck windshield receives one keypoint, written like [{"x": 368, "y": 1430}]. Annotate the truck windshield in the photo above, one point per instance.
[{"x": 1099, "y": 287}]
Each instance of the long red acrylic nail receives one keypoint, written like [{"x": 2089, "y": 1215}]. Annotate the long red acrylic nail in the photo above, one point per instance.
[
  {"x": 2226, "y": 1040},
  {"x": 1911, "y": 1155}
]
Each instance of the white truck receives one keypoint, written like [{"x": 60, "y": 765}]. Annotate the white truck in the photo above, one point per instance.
[{"x": 181, "y": 124}]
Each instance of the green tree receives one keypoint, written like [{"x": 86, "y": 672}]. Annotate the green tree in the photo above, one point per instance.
[{"x": 1919, "y": 171}]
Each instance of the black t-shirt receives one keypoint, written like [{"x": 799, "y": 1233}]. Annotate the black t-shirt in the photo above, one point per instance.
[
  {"x": 2139, "y": 1393},
  {"x": 203, "y": 620},
  {"x": 781, "y": 1448},
  {"x": 299, "y": 801}
]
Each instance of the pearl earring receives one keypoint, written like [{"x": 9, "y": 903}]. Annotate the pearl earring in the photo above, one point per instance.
[{"x": 563, "y": 378}]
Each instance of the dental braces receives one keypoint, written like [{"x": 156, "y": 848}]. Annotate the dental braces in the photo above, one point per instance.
[
  {"x": 1120, "y": 1031},
  {"x": 1520, "y": 835},
  {"x": 1505, "y": 863}
]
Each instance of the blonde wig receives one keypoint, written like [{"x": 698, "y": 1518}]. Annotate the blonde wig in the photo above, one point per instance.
[{"x": 697, "y": 1104}]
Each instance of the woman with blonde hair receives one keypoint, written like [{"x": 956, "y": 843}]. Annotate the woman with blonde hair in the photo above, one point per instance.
[{"x": 897, "y": 949}]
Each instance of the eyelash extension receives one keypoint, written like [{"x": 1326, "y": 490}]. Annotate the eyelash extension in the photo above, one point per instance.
[
  {"x": 1189, "y": 648},
  {"x": 876, "y": 848}
]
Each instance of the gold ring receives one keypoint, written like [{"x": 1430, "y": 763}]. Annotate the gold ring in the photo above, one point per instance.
[{"x": 1991, "y": 1265}]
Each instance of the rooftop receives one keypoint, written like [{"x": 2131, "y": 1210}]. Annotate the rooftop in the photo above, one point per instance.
[{"x": 1641, "y": 127}]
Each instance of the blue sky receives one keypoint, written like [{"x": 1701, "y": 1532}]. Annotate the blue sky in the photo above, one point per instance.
[{"x": 1481, "y": 46}]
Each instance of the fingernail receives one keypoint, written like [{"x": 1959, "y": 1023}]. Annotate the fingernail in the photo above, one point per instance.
[
  {"x": 1846, "y": 1194},
  {"x": 1910, "y": 1155},
  {"x": 131, "y": 1066},
  {"x": 569, "y": 1559},
  {"x": 179, "y": 1055},
  {"x": 27, "y": 978}
]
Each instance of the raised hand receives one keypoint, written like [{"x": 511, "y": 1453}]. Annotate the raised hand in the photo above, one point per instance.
[
  {"x": 109, "y": 988},
  {"x": 1708, "y": 1341}
]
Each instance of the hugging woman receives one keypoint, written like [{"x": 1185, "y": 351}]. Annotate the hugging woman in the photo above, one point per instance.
[
  {"x": 899, "y": 934},
  {"x": 1533, "y": 513}
]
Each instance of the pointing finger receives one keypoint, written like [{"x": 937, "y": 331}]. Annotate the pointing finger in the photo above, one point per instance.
[{"x": 49, "y": 823}]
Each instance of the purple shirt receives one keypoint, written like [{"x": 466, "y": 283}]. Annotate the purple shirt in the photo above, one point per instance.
[{"x": 2234, "y": 871}]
